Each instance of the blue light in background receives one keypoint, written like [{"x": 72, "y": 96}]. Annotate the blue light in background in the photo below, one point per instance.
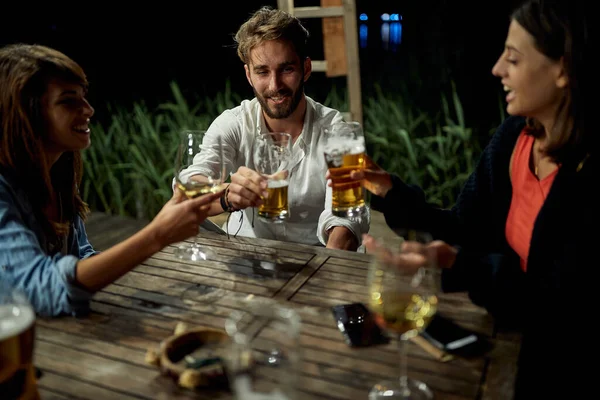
[
  {"x": 391, "y": 31},
  {"x": 391, "y": 35},
  {"x": 363, "y": 31},
  {"x": 395, "y": 35},
  {"x": 385, "y": 35}
]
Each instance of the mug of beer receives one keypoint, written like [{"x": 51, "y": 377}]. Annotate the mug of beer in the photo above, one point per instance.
[
  {"x": 17, "y": 333},
  {"x": 272, "y": 154},
  {"x": 345, "y": 152}
]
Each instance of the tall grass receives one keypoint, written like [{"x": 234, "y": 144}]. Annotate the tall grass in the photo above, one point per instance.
[{"x": 129, "y": 167}]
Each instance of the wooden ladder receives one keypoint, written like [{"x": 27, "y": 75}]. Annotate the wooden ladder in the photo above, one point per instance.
[{"x": 336, "y": 63}]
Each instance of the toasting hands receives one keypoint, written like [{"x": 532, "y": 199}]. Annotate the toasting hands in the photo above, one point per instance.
[
  {"x": 374, "y": 178},
  {"x": 180, "y": 219}
]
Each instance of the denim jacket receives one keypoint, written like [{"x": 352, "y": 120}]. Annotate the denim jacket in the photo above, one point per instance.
[{"x": 48, "y": 281}]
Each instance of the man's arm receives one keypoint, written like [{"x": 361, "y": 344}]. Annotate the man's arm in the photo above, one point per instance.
[{"x": 342, "y": 238}]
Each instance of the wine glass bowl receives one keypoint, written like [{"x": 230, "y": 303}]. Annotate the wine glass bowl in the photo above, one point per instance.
[
  {"x": 199, "y": 170},
  {"x": 403, "y": 286}
]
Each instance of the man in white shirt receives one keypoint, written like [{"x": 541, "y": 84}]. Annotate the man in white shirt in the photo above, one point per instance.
[{"x": 272, "y": 45}]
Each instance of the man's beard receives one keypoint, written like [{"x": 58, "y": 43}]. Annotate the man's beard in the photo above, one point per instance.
[{"x": 281, "y": 111}]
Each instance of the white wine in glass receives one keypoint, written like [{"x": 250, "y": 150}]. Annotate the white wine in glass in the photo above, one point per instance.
[
  {"x": 199, "y": 170},
  {"x": 403, "y": 298}
]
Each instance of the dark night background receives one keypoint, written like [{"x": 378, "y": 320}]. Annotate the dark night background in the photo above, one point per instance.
[{"x": 133, "y": 55}]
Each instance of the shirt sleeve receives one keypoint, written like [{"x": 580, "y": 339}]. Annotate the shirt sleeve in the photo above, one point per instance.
[
  {"x": 327, "y": 221},
  {"x": 48, "y": 281},
  {"x": 85, "y": 247},
  {"x": 206, "y": 162}
]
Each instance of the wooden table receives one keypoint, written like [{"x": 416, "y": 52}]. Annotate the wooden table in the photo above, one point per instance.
[{"x": 103, "y": 356}]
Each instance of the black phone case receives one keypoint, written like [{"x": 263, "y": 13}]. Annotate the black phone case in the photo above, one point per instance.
[
  {"x": 357, "y": 325},
  {"x": 447, "y": 335}
]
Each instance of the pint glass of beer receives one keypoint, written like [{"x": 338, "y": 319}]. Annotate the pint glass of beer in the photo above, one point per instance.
[
  {"x": 17, "y": 332},
  {"x": 272, "y": 154},
  {"x": 345, "y": 152}
]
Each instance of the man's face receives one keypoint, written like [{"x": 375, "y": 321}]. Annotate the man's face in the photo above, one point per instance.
[{"x": 277, "y": 76}]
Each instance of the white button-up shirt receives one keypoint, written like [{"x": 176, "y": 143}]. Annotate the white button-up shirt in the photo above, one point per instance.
[{"x": 309, "y": 197}]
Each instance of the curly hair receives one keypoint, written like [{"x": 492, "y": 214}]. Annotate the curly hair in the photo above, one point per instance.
[{"x": 269, "y": 24}]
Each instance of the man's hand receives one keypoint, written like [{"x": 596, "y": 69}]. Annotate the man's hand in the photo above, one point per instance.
[
  {"x": 246, "y": 189},
  {"x": 342, "y": 238}
]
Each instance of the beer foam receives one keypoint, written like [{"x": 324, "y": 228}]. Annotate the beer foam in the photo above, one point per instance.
[
  {"x": 345, "y": 146},
  {"x": 277, "y": 184},
  {"x": 14, "y": 319}
]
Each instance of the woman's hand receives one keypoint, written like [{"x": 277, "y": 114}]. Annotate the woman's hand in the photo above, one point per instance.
[
  {"x": 412, "y": 254},
  {"x": 180, "y": 218},
  {"x": 374, "y": 178}
]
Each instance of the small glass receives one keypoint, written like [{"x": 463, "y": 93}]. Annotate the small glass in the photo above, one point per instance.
[
  {"x": 265, "y": 356},
  {"x": 17, "y": 336}
]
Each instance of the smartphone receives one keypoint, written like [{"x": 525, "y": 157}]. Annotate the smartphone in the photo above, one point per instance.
[
  {"x": 447, "y": 335},
  {"x": 357, "y": 325}
]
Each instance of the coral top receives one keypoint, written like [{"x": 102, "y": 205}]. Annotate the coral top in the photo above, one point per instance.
[{"x": 528, "y": 195}]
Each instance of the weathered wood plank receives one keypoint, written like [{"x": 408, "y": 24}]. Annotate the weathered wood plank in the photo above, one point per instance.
[
  {"x": 105, "y": 230},
  {"x": 334, "y": 42},
  {"x": 299, "y": 280},
  {"x": 502, "y": 370},
  {"x": 108, "y": 373},
  {"x": 273, "y": 272},
  {"x": 54, "y": 386}
]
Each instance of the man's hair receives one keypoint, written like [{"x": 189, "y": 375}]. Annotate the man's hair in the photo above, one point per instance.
[{"x": 269, "y": 24}]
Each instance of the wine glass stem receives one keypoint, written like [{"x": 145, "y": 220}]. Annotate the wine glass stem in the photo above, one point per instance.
[{"x": 403, "y": 365}]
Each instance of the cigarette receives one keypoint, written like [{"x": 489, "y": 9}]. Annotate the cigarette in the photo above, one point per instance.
[{"x": 431, "y": 349}]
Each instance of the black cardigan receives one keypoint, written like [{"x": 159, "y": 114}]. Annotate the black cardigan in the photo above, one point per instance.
[{"x": 546, "y": 302}]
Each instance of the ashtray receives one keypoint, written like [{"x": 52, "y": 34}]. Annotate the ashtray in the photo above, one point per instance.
[{"x": 192, "y": 357}]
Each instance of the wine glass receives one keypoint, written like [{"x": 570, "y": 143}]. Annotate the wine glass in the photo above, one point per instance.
[
  {"x": 403, "y": 285},
  {"x": 264, "y": 365},
  {"x": 17, "y": 337},
  {"x": 272, "y": 154},
  {"x": 199, "y": 170},
  {"x": 344, "y": 151}
]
